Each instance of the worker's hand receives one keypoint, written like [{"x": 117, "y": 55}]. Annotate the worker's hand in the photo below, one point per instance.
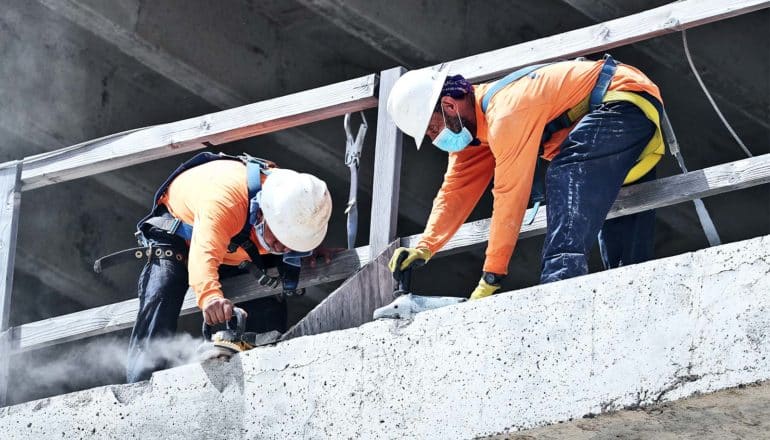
[
  {"x": 484, "y": 290},
  {"x": 324, "y": 253},
  {"x": 405, "y": 258},
  {"x": 218, "y": 310}
]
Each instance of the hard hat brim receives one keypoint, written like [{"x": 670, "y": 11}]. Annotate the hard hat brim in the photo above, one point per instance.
[{"x": 438, "y": 84}]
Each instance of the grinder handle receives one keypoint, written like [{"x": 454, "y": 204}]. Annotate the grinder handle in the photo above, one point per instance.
[{"x": 237, "y": 323}]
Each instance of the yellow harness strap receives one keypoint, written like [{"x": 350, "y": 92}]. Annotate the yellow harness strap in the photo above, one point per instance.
[{"x": 654, "y": 150}]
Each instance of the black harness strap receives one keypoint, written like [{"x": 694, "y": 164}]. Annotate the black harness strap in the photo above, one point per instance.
[{"x": 160, "y": 218}]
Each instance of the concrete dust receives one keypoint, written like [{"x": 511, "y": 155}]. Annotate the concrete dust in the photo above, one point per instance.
[
  {"x": 737, "y": 413},
  {"x": 100, "y": 357}
]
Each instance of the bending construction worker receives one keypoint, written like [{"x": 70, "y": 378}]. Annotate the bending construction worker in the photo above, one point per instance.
[
  {"x": 597, "y": 122},
  {"x": 217, "y": 210}
]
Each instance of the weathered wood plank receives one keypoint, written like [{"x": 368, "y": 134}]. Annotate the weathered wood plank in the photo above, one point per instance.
[
  {"x": 10, "y": 201},
  {"x": 168, "y": 139},
  {"x": 113, "y": 317},
  {"x": 663, "y": 20},
  {"x": 146, "y": 144},
  {"x": 663, "y": 192},
  {"x": 387, "y": 169},
  {"x": 667, "y": 191},
  {"x": 353, "y": 303},
  {"x": 668, "y": 53}
]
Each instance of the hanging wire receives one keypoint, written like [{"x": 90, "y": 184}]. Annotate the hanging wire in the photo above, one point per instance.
[{"x": 708, "y": 95}]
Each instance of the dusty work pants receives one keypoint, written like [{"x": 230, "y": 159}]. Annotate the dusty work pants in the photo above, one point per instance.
[
  {"x": 582, "y": 183},
  {"x": 162, "y": 286}
]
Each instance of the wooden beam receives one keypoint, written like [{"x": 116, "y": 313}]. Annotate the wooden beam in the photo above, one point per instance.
[
  {"x": 358, "y": 24},
  {"x": 190, "y": 78},
  {"x": 10, "y": 201},
  {"x": 33, "y": 136},
  {"x": 668, "y": 54},
  {"x": 354, "y": 302},
  {"x": 113, "y": 317},
  {"x": 193, "y": 80},
  {"x": 320, "y": 153},
  {"x": 663, "y": 192},
  {"x": 663, "y": 20},
  {"x": 387, "y": 169},
  {"x": 667, "y": 191},
  {"x": 146, "y": 144}
]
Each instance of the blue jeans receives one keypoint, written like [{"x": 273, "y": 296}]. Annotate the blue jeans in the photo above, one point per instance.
[
  {"x": 161, "y": 288},
  {"x": 582, "y": 183}
]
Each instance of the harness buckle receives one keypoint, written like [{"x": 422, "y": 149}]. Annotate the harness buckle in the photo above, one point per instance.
[{"x": 174, "y": 226}]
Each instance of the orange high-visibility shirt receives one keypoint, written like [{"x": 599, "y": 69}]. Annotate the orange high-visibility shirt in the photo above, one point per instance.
[
  {"x": 214, "y": 198},
  {"x": 510, "y": 135}
]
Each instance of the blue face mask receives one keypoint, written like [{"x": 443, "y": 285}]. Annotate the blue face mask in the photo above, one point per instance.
[
  {"x": 450, "y": 141},
  {"x": 293, "y": 258},
  {"x": 259, "y": 231}
]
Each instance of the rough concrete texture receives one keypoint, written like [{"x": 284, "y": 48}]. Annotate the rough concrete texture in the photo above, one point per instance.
[
  {"x": 737, "y": 413},
  {"x": 635, "y": 336}
]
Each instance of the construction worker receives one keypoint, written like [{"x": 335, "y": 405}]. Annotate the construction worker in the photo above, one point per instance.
[
  {"x": 218, "y": 210},
  {"x": 597, "y": 122}
]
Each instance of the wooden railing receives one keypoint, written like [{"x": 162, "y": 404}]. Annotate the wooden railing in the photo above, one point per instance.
[{"x": 146, "y": 144}]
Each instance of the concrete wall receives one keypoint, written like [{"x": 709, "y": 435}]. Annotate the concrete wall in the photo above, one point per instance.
[{"x": 666, "y": 329}]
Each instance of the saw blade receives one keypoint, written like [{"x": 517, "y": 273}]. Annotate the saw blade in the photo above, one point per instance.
[{"x": 211, "y": 350}]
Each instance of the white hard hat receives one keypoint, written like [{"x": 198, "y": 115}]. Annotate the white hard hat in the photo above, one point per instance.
[
  {"x": 413, "y": 98},
  {"x": 296, "y": 207}
]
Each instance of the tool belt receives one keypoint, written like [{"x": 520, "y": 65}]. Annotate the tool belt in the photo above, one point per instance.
[{"x": 146, "y": 253}]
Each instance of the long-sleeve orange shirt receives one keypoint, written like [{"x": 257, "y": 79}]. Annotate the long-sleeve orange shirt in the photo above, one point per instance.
[
  {"x": 510, "y": 134},
  {"x": 214, "y": 198}
]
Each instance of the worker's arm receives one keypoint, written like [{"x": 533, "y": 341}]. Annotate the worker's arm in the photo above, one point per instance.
[
  {"x": 468, "y": 174},
  {"x": 515, "y": 141},
  {"x": 215, "y": 224}
]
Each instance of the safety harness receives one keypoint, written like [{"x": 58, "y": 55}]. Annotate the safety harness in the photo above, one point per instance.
[
  {"x": 649, "y": 157},
  {"x": 159, "y": 218}
]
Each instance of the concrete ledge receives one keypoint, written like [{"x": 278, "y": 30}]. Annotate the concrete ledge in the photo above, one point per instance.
[{"x": 634, "y": 336}]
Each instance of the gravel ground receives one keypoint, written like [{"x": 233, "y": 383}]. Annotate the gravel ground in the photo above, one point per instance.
[{"x": 738, "y": 413}]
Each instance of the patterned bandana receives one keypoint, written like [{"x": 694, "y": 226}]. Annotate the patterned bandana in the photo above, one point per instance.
[{"x": 456, "y": 86}]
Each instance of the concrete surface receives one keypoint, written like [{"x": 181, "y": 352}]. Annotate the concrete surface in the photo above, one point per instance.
[
  {"x": 634, "y": 336},
  {"x": 737, "y": 413}
]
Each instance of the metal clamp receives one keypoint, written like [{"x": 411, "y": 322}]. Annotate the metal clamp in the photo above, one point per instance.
[
  {"x": 353, "y": 146},
  {"x": 262, "y": 277}
]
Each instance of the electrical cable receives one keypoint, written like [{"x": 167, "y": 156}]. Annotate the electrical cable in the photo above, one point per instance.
[{"x": 708, "y": 95}]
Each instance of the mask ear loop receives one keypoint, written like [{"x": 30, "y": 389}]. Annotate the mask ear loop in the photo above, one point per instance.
[{"x": 443, "y": 115}]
